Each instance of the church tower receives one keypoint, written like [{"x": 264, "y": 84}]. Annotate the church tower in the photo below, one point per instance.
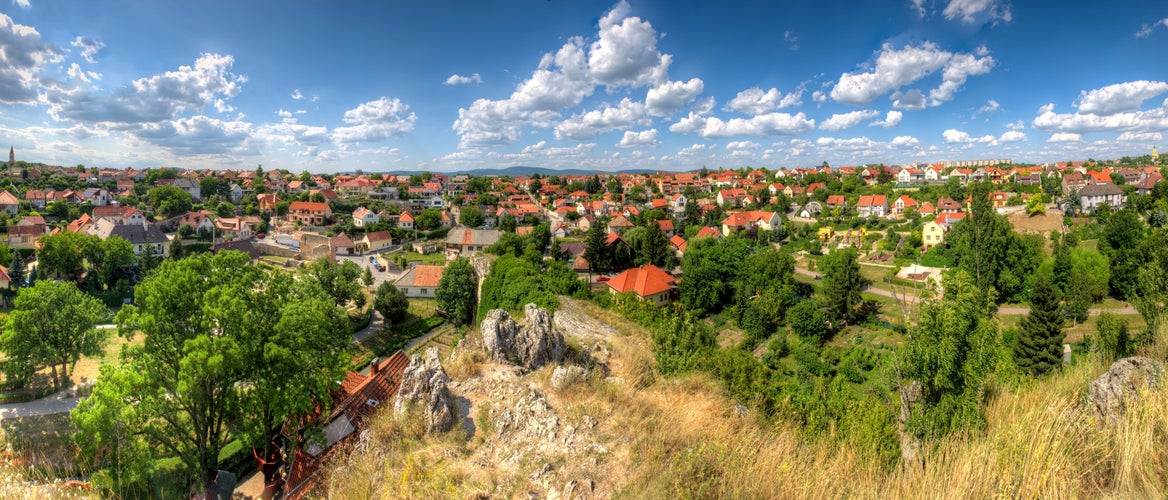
[
  {"x": 1155, "y": 155},
  {"x": 11, "y": 157}
]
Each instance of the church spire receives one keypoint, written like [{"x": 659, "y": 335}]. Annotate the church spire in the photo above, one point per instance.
[{"x": 11, "y": 156}]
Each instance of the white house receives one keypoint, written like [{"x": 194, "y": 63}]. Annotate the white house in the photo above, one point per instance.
[{"x": 364, "y": 217}]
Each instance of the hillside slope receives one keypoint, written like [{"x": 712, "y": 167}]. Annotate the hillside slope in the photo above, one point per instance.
[{"x": 624, "y": 431}]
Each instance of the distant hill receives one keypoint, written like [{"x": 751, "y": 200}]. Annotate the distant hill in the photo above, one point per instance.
[{"x": 519, "y": 170}]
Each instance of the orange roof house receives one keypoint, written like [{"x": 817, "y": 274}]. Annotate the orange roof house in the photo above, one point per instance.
[{"x": 649, "y": 282}]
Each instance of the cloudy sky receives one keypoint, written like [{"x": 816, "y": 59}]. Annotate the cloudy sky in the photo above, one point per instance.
[{"x": 662, "y": 84}]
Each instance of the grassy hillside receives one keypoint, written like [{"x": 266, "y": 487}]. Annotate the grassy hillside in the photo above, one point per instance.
[{"x": 682, "y": 437}]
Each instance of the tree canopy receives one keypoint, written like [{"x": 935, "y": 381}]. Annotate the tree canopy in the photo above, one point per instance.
[
  {"x": 51, "y": 324},
  {"x": 457, "y": 291},
  {"x": 229, "y": 351}
]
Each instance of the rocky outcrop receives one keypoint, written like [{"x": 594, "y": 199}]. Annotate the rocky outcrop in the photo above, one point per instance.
[
  {"x": 531, "y": 345},
  {"x": 910, "y": 444},
  {"x": 1111, "y": 393},
  {"x": 566, "y": 375},
  {"x": 424, "y": 386}
]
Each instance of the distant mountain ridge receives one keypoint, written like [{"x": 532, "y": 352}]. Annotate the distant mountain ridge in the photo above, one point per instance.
[{"x": 520, "y": 170}]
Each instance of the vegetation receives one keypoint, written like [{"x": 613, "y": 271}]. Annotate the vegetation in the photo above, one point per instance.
[
  {"x": 456, "y": 292},
  {"x": 1039, "y": 349},
  {"x": 391, "y": 302},
  {"x": 253, "y": 349},
  {"x": 51, "y": 325}
]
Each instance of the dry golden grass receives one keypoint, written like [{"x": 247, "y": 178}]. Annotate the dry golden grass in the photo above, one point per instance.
[{"x": 683, "y": 438}]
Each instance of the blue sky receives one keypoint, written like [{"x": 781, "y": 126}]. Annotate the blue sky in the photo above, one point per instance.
[{"x": 450, "y": 85}]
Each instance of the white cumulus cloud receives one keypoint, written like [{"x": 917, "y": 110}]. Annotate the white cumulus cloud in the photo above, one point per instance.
[
  {"x": 457, "y": 79},
  {"x": 755, "y": 101},
  {"x": 1140, "y": 137},
  {"x": 1012, "y": 136},
  {"x": 905, "y": 141},
  {"x": 978, "y": 11},
  {"x": 588, "y": 125},
  {"x": 954, "y": 136},
  {"x": 891, "y": 119},
  {"x": 1064, "y": 137},
  {"x": 896, "y": 68},
  {"x": 375, "y": 121},
  {"x": 643, "y": 138},
  {"x": 89, "y": 47},
  {"x": 1127, "y": 96},
  {"x": 844, "y": 121},
  {"x": 669, "y": 97}
]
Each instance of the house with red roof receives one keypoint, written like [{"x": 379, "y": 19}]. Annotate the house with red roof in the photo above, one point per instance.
[
  {"x": 9, "y": 203},
  {"x": 901, "y": 204},
  {"x": 666, "y": 226},
  {"x": 309, "y": 213},
  {"x": 875, "y": 205},
  {"x": 933, "y": 232},
  {"x": 708, "y": 232},
  {"x": 753, "y": 219},
  {"x": 420, "y": 281},
  {"x": 358, "y": 399},
  {"x": 405, "y": 220},
  {"x": 648, "y": 282}
]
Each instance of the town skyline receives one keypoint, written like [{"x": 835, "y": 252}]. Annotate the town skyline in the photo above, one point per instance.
[{"x": 596, "y": 85}]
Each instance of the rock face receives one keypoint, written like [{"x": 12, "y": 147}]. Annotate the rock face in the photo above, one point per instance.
[
  {"x": 424, "y": 385},
  {"x": 531, "y": 345},
  {"x": 1111, "y": 392},
  {"x": 565, "y": 375}
]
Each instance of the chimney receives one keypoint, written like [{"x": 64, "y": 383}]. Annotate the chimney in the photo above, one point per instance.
[{"x": 374, "y": 366}]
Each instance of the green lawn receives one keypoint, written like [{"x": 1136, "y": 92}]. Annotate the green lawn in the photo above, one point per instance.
[{"x": 434, "y": 259}]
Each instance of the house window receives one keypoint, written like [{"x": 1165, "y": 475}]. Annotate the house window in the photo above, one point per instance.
[{"x": 424, "y": 291}]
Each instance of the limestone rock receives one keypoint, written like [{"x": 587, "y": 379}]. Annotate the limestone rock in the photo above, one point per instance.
[
  {"x": 1110, "y": 393},
  {"x": 424, "y": 384},
  {"x": 531, "y": 345},
  {"x": 566, "y": 375}
]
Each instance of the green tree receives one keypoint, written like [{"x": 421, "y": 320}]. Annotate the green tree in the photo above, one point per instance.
[
  {"x": 988, "y": 249},
  {"x": 1113, "y": 340},
  {"x": 169, "y": 201},
  {"x": 63, "y": 254},
  {"x": 1036, "y": 204},
  {"x": 1040, "y": 345},
  {"x": 950, "y": 352},
  {"x": 339, "y": 281},
  {"x": 541, "y": 237},
  {"x": 428, "y": 219},
  {"x": 51, "y": 324},
  {"x": 367, "y": 277},
  {"x": 471, "y": 217},
  {"x": 842, "y": 285},
  {"x": 456, "y": 292},
  {"x": 16, "y": 272},
  {"x": 508, "y": 223},
  {"x": 808, "y": 320},
  {"x": 682, "y": 343},
  {"x": 254, "y": 349},
  {"x": 595, "y": 249},
  {"x": 1120, "y": 243},
  {"x": 390, "y": 302},
  {"x": 112, "y": 259},
  {"x": 654, "y": 248}
]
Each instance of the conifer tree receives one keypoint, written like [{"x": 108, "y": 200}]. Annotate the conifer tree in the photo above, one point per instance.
[
  {"x": 1039, "y": 346},
  {"x": 842, "y": 284}
]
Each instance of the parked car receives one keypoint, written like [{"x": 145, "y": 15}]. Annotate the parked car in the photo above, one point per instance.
[{"x": 602, "y": 279}]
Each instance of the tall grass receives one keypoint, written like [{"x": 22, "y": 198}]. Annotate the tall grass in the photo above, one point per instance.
[{"x": 682, "y": 437}]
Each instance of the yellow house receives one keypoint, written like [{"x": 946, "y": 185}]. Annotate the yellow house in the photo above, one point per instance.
[
  {"x": 933, "y": 232},
  {"x": 825, "y": 233}
]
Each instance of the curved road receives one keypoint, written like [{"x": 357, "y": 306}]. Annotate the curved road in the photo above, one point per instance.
[{"x": 49, "y": 405}]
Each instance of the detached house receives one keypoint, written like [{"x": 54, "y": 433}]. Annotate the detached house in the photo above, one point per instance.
[
  {"x": 363, "y": 217},
  {"x": 872, "y": 205},
  {"x": 741, "y": 221},
  {"x": 465, "y": 240},
  {"x": 9, "y": 203},
  {"x": 933, "y": 232},
  {"x": 1095, "y": 195},
  {"x": 309, "y": 213},
  {"x": 902, "y": 204},
  {"x": 375, "y": 241},
  {"x": 420, "y": 281},
  {"x": 648, "y": 282}
]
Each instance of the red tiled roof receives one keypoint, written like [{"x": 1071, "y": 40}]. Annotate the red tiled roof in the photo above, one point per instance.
[
  {"x": 707, "y": 232},
  {"x": 428, "y": 276},
  {"x": 644, "y": 281}
]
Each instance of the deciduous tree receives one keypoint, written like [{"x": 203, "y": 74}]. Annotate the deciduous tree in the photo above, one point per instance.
[
  {"x": 390, "y": 302},
  {"x": 456, "y": 291},
  {"x": 51, "y": 325}
]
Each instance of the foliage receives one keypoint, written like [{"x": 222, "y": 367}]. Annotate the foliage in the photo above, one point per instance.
[
  {"x": 842, "y": 285},
  {"x": 52, "y": 324},
  {"x": 710, "y": 266},
  {"x": 456, "y": 291},
  {"x": 339, "y": 281},
  {"x": 1113, "y": 340},
  {"x": 681, "y": 343},
  {"x": 1036, "y": 204},
  {"x": 950, "y": 352},
  {"x": 808, "y": 320},
  {"x": 63, "y": 254},
  {"x": 1040, "y": 346},
  {"x": 229, "y": 350},
  {"x": 169, "y": 201},
  {"x": 391, "y": 302},
  {"x": 471, "y": 217},
  {"x": 514, "y": 282},
  {"x": 988, "y": 249},
  {"x": 1121, "y": 241}
]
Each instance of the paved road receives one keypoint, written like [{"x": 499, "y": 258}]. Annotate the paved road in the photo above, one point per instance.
[
  {"x": 49, "y": 405},
  {"x": 375, "y": 325}
]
